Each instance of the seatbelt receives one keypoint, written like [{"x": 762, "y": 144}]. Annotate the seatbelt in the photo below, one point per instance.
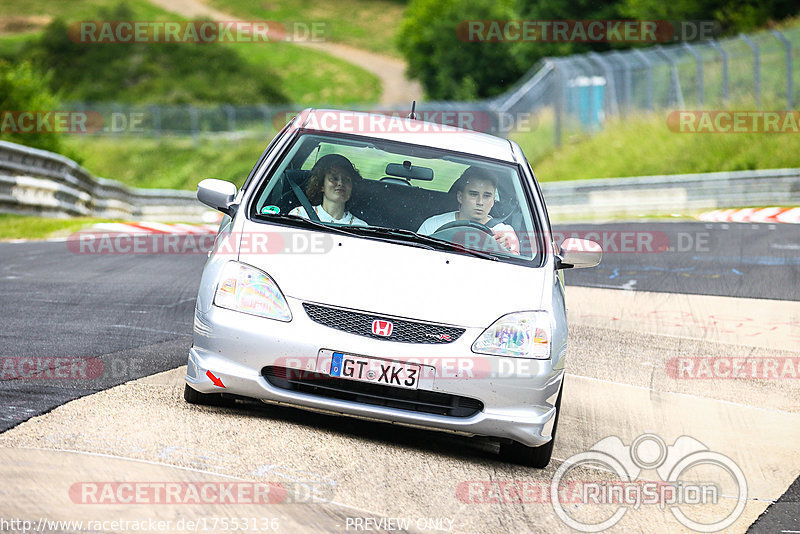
[
  {"x": 495, "y": 221},
  {"x": 302, "y": 198}
]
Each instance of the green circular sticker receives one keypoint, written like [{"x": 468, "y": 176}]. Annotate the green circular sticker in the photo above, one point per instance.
[{"x": 270, "y": 210}]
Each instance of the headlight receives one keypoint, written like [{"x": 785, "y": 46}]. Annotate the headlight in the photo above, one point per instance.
[
  {"x": 246, "y": 289},
  {"x": 519, "y": 335}
]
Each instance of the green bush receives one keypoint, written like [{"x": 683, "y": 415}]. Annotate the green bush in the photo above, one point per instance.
[
  {"x": 733, "y": 15},
  {"x": 22, "y": 89},
  {"x": 450, "y": 68},
  {"x": 162, "y": 73}
]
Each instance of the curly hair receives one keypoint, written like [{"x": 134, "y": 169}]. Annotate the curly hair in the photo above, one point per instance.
[{"x": 321, "y": 167}]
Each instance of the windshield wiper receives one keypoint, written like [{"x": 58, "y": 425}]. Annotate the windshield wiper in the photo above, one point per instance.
[
  {"x": 306, "y": 223},
  {"x": 407, "y": 236},
  {"x": 413, "y": 237}
]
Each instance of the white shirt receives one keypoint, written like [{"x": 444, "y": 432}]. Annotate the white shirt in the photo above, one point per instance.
[
  {"x": 432, "y": 224},
  {"x": 324, "y": 216}
]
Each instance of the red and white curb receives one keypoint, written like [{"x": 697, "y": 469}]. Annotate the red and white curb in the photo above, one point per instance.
[
  {"x": 754, "y": 215},
  {"x": 155, "y": 228}
]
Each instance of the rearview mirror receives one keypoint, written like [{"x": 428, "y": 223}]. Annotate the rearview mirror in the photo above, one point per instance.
[
  {"x": 409, "y": 172},
  {"x": 579, "y": 253},
  {"x": 217, "y": 194}
]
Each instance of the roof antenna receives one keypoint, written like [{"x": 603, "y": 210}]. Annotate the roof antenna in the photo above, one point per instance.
[{"x": 413, "y": 115}]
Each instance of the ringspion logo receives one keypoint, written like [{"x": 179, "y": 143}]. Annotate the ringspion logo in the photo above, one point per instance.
[{"x": 690, "y": 475}]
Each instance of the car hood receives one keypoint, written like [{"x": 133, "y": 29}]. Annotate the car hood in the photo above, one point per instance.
[{"x": 393, "y": 279}]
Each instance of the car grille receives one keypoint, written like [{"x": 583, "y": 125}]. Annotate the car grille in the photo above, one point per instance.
[
  {"x": 361, "y": 324},
  {"x": 415, "y": 400}
]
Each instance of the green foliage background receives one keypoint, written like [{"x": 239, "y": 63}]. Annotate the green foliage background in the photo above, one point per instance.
[
  {"x": 451, "y": 69},
  {"x": 136, "y": 72},
  {"x": 22, "y": 88}
]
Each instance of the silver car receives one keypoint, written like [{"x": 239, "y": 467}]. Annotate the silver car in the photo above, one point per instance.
[{"x": 389, "y": 269}]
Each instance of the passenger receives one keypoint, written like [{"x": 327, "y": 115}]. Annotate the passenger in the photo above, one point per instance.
[
  {"x": 329, "y": 189},
  {"x": 475, "y": 192}
]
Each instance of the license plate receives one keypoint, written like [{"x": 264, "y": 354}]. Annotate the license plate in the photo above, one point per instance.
[{"x": 398, "y": 374}]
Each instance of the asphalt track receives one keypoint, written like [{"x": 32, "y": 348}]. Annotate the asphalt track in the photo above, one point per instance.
[
  {"x": 133, "y": 313},
  {"x": 731, "y": 259}
]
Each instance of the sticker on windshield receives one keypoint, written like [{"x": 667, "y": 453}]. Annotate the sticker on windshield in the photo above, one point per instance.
[{"x": 270, "y": 210}]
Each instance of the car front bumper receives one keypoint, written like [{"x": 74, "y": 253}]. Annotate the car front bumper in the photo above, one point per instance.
[{"x": 518, "y": 395}]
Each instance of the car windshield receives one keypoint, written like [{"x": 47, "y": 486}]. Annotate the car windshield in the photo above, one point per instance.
[{"x": 404, "y": 193}]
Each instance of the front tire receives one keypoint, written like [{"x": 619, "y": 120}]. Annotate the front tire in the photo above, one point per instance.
[
  {"x": 192, "y": 396},
  {"x": 539, "y": 457}
]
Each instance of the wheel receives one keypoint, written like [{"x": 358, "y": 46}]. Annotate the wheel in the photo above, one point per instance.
[
  {"x": 518, "y": 453},
  {"x": 192, "y": 396},
  {"x": 466, "y": 224},
  {"x": 470, "y": 234}
]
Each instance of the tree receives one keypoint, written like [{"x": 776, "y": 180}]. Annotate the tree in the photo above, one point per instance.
[
  {"x": 23, "y": 89},
  {"x": 733, "y": 15},
  {"x": 439, "y": 52}
]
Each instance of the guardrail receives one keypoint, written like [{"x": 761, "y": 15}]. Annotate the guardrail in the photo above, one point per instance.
[
  {"x": 668, "y": 194},
  {"x": 37, "y": 182}
]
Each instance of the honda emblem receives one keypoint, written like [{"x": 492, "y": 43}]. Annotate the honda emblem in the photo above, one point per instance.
[{"x": 382, "y": 328}]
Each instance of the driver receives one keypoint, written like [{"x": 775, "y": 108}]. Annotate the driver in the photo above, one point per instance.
[
  {"x": 475, "y": 192},
  {"x": 329, "y": 189}
]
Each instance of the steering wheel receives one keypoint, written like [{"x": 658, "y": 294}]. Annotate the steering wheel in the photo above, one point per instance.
[{"x": 468, "y": 224}]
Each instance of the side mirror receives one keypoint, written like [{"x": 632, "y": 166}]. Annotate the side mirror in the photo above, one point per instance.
[
  {"x": 217, "y": 194},
  {"x": 578, "y": 253}
]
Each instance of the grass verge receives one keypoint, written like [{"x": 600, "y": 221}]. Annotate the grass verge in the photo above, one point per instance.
[
  {"x": 185, "y": 73},
  {"x": 170, "y": 163},
  {"x": 29, "y": 227},
  {"x": 368, "y": 24},
  {"x": 643, "y": 145}
]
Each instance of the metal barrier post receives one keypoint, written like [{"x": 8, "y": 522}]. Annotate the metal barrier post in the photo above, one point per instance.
[
  {"x": 230, "y": 111},
  {"x": 724, "y": 55},
  {"x": 589, "y": 74},
  {"x": 611, "y": 94},
  {"x": 675, "y": 80},
  {"x": 195, "y": 121},
  {"x": 156, "y": 111},
  {"x": 756, "y": 68},
  {"x": 627, "y": 81},
  {"x": 788, "y": 45},
  {"x": 558, "y": 104},
  {"x": 649, "y": 78},
  {"x": 699, "y": 60}
]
